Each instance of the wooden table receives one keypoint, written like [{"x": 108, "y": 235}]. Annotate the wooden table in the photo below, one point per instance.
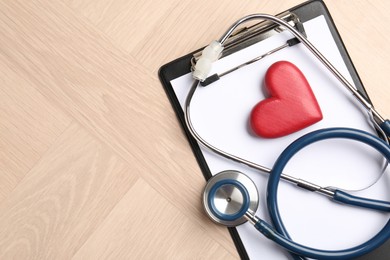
[{"x": 93, "y": 163}]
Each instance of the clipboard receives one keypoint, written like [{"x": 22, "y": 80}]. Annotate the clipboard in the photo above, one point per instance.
[{"x": 244, "y": 38}]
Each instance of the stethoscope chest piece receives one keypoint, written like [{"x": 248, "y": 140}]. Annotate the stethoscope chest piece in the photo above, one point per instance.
[{"x": 228, "y": 196}]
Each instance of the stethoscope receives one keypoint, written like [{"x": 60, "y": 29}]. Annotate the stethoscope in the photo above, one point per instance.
[{"x": 230, "y": 197}]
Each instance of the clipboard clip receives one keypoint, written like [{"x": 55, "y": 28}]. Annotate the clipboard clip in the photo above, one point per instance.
[{"x": 246, "y": 36}]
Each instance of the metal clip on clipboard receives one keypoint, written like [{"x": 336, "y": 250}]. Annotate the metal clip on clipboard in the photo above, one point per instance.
[{"x": 247, "y": 36}]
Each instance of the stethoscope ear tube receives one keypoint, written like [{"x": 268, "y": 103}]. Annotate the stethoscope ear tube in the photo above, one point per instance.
[
  {"x": 349, "y": 199},
  {"x": 283, "y": 238}
]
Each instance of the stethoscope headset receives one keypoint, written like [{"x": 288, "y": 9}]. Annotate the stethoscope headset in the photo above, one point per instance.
[{"x": 230, "y": 197}]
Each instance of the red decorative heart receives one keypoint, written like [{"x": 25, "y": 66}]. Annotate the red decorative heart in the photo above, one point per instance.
[{"x": 291, "y": 107}]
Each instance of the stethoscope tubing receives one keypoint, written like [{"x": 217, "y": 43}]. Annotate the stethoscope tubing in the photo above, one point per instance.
[{"x": 272, "y": 188}]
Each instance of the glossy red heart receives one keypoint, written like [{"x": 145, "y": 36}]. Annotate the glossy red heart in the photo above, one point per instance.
[{"x": 291, "y": 106}]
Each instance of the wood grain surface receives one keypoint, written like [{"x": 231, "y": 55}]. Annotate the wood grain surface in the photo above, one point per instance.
[{"x": 93, "y": 163}]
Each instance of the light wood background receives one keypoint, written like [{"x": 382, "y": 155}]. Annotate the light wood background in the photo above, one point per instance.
[{"x": 93, "y": 163}]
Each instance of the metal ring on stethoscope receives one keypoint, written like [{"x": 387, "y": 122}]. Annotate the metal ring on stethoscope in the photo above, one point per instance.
[
  {"x": 228, "y": 195},
  {"x": 228, "y": 199}
]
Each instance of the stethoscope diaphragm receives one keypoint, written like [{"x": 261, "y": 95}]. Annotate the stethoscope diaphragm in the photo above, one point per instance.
[{"x": 228, "y": 196}]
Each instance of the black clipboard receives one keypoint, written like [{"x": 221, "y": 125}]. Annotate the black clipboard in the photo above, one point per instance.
[{"x": 181, "y": 66}]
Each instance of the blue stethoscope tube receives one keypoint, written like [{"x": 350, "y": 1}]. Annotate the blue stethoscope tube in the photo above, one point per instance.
[
  {"x": 385, "y": 126},
  {"x": 281, "y": 236}
]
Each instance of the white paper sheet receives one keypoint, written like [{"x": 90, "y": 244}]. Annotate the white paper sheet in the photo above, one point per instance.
[{"x": 220, "y": 114}]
